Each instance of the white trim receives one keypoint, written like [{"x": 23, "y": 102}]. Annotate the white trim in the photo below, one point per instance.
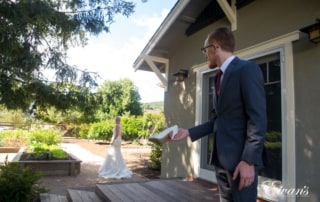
[
  {"x": 289, "y": 152},
  {"x": 230, "y": 11},
  {"x": 267, "y": 45},
  {"x": 208, "y": 175},
  {"x": 162, "y": 29},
  {"x": 200, "y": 70},
  {"x": 150, "y": 61}
]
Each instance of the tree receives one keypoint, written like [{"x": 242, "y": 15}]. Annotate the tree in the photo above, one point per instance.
[
  {"x": 119, "y": 98},
  {"x": 35, "y": 36}
]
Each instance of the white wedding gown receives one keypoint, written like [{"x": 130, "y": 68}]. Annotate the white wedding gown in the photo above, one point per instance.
[{"x": 114, "y": 165}]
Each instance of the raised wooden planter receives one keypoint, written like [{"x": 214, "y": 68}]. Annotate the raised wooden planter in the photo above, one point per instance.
[
  {"x": 9, "y": 149},
  {"x": 70, "y": 167},
  {"x": 9, "y": 153}
]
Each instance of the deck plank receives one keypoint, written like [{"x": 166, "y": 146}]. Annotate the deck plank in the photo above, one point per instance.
[
  {"x": 45, "y": 197},
  {"x": 111, "y": 192},
  {"x": 158, "y": 190},
  {"x": 140, "y": 192},
  {"x": 193, "y": 190},
  {"x": 83, "y": 196},
  {"x": 167, "y": 192}
]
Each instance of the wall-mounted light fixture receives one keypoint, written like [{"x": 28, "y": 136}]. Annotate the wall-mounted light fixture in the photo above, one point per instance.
[
  {"x": 181, "y": 75},
  {"x": 313, "y": 31}
]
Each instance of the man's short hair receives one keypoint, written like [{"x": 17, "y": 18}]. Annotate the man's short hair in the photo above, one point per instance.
[{"x": 224, "y": 37}]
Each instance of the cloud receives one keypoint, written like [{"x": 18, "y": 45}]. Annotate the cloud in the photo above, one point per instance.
[
  {"x": 112, "y": 55},
  {"x": 152, "y": 23}
]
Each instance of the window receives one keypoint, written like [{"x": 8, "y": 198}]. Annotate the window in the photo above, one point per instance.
[
  {"x": 207, "y": 150},
  {"x": 271, "y": 69}
]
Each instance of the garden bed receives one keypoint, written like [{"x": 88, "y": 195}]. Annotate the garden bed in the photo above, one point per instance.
[
  {"x": 9, "y": 154},
  {"x": 9, "y": 149},
  {"x": 55, "y": 167}
]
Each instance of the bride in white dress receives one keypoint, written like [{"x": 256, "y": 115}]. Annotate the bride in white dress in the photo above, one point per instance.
[{"x": 114, "y": 165}]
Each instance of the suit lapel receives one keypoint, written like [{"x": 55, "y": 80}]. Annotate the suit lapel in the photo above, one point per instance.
[{"x": 226, "y": 76}]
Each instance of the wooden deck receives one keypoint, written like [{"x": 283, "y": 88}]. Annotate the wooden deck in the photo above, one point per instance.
[
  {"x": 150, "y": 190},
  {"x": 159, "y": 190},
  {"x": 163, "y": 190}
]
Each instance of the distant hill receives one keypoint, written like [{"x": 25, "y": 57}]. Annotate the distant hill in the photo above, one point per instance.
[{"x": 157, "y": 106}]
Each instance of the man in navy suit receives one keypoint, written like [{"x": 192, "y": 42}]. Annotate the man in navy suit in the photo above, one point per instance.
[{"x": 240, "y": 122}]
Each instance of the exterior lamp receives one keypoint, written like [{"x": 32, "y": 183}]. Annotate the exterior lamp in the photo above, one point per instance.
[
  {"x": 313, "y": 31},
  {"x": 181, "y": 75}
]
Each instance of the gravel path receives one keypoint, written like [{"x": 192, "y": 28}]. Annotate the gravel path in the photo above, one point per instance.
[{"x": 92, "y": 154}]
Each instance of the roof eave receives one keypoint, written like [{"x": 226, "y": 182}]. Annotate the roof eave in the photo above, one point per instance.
[{"x": 163, "y": 28}]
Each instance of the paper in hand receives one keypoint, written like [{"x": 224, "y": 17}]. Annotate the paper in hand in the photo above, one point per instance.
[{"x": 163, "y": 136}]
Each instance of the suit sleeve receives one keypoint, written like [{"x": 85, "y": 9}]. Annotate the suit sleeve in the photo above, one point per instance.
[
  {"x": 253, "y": 97},
  {"x": 201, "y": 130}
]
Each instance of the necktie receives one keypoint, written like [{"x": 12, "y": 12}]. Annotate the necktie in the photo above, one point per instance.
[{"x": 218, "y": 81}]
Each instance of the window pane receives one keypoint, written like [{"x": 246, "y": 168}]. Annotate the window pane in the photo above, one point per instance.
[
  {"x": 207, "y": 104},
  {"x": 263, "y": 68},
  {"x": 274, "y": 71},
  {"x": 273, "y": 97},
  {"x": 273, "y": 144}
]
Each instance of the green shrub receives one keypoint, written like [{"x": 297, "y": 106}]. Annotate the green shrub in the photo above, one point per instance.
[
  {"x": 40, "y": 150},
  {"x": 273, "y": 145},
  {"x": 14, "y": 138},
  {"x": 57, "y": 152},
  {"x": 44, "y": 151},
  {"x": 100, "y": 131},
  {"x": 49, "y": 137},
  {"x": 136, "y": 142},
  {"x": 19, "y": 184},
  {"x": 132, "y": 126},
  {"x": 152, "y": 123},
  {"x": 71, "y": 131},
  {"x": 84, "y": 131},
  {"x": 273, "y": 136},
  {"x": 274, "y": 155},
  {"x": 155, "y": 157}
]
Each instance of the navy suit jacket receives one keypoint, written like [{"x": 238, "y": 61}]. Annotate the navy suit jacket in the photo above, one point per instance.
[{"x": 241, "y": 121}]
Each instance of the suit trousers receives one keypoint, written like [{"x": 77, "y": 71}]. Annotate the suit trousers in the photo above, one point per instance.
[{"x": 228, "y": 188}]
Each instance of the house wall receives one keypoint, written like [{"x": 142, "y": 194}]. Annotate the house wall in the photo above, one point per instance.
[
  {"x": 179, "y": 106},
  {"x": 260, "y": 21},
  {"x": 307, "y": 99}
]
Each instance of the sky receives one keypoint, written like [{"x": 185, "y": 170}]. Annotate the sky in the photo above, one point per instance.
[{"x": 112, "y": 54}]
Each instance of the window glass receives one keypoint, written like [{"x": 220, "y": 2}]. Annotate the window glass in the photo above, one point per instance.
[{"x": 270, "y": 67}]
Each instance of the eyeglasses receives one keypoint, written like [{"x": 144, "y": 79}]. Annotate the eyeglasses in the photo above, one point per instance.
[{"x": 204, "y": 49}]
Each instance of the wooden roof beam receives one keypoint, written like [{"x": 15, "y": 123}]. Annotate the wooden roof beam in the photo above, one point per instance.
[
  {"x": 230, "y": 11},
  {"x": 150, "y": 60}
]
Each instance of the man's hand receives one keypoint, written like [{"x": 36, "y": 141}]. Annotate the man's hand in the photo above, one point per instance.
[
  {"x": 247, "y": 174},
  {"x": 181, "y": 134}
]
